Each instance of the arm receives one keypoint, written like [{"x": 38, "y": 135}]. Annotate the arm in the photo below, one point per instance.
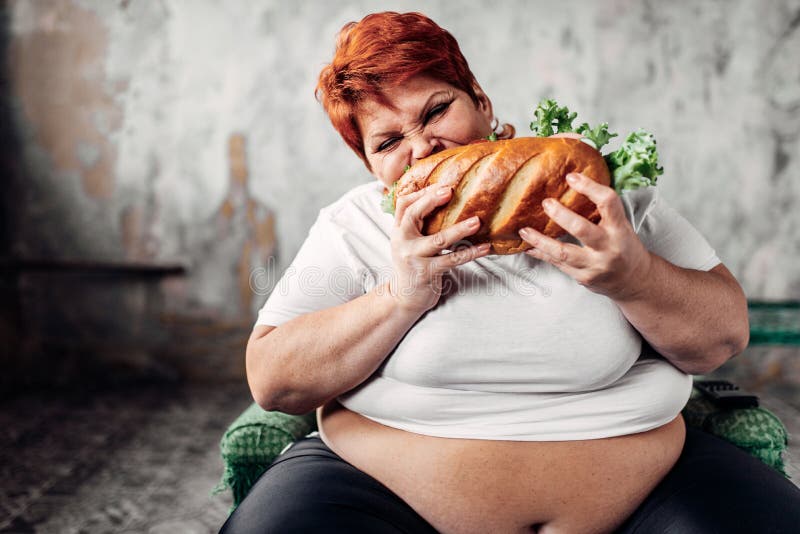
[
  {"x": 696, "y": 319},
  {"x": 317, "y": 356}
]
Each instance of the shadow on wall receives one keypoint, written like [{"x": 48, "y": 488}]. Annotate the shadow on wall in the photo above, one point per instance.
[{"x": 88, "y": 297}]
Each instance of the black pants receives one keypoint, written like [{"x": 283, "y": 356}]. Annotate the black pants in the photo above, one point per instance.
[{"x": 714, "y": 487}]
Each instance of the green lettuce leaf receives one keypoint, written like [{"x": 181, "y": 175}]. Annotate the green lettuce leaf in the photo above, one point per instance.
[
  {"x": 551, "y": 119},
  {"x": 632, "y": 165},
  {"x": 599, "y": 136},
  {"x": 635, "y": 163},
  {"x": 387, "y": 203}
]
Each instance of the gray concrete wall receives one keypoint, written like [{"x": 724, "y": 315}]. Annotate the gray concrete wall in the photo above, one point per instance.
[{"x": 186, "y": 132}]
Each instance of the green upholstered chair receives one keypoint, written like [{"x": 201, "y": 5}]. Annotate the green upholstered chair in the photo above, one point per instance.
[
  {"x": 252, "y": 441},
  {"x": 256, "y": 437}
]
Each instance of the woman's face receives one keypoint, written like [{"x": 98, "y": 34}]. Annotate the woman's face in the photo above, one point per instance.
[{"x": 424, "y": 116}]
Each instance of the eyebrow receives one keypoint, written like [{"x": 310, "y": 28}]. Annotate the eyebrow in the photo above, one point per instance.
[{"x": 433, "y": 96}]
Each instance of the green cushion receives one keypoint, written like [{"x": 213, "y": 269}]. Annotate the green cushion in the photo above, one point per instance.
[
  {"x": 253, "y": 441},
  {"x": 756, "y": 430}
]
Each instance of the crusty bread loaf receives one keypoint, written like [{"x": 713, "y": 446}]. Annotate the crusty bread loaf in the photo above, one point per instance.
[{"x": 504, "y": 183}]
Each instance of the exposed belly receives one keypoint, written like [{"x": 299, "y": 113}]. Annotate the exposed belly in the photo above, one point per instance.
[{"x": 465, "y": 486}]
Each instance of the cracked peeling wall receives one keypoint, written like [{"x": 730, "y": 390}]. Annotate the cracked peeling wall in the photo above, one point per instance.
[{"x": 186, "y": 132}]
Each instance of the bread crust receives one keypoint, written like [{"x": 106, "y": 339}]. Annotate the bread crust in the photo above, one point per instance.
[{"x": 504, "y": 183}]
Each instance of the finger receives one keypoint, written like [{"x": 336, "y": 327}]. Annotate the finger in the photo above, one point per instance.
[
  {"x": 434, "y": 196},
  {"x": 557, "y": 253},
  {"x": 605, "y": 198},
  {"x": 433, "y": 244},
  {"x": 567, "y": 269},
  {"x": 403, "y": 202},
  {"x": 586, "y": 231},
  {"x": 442, "y": 263}
]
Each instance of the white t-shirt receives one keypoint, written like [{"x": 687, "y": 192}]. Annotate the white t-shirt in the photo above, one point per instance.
[{"x": 513, "y": 350}]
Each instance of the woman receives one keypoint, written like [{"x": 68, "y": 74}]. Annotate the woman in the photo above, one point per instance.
[{"x": 531, "y": 408}]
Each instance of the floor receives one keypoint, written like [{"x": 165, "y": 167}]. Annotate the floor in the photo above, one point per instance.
[
  {"x": 145, "y": 459},
  {"x": 139, "y": 460}
]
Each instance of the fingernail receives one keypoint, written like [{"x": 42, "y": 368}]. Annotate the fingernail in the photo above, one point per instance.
[
  {"x": 484, "y": 247},
  {"x": 572, "y": 178},
  {"x": 473, "y": 221},
  {"x": 548, "y": 203},
  {"x": 443, "y": 191},
  {"x": 524, "y": 231}
]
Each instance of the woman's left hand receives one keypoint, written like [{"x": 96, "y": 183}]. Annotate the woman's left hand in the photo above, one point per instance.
[{"x": 612, "y": 261}]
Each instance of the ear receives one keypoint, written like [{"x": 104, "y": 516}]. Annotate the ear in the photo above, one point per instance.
[{"x": 484, "y": 104}]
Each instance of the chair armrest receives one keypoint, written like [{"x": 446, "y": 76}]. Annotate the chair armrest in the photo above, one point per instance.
[
  {"x": 253, "y": 441},
  {"x": 756, "y": 430}
]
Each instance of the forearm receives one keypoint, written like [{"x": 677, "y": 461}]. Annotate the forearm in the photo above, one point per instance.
[
  {"x": 696, "y": 319},
  {"x": 317, "y": 356}
]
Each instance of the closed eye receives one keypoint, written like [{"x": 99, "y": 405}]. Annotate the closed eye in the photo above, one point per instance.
[
  {"x": 436, "y": 111},
  {"x": 432, "y": 114},
  {"x": 389, "y": 143}
]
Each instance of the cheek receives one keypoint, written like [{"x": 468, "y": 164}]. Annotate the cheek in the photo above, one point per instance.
[
  {"x": 387, "y": 168},
  {"x": 463, "y": 128}
]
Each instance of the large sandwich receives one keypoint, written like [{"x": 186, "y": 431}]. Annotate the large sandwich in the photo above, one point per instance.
[{"x": 504, "y": 182}]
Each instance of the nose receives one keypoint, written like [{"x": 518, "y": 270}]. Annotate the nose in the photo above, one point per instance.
[{"x": 423, "y": 145}]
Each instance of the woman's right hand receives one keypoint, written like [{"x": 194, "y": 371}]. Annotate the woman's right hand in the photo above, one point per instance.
[{"x": 418, "y": 265}]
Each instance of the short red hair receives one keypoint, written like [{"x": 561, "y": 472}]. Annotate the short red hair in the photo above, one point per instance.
[{"x": 386, "y": 49}]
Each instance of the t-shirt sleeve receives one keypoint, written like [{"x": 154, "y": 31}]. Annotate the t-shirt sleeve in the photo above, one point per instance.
[
  {"x": 320, "y": 276},
  {"x": 664, "y": 232}
]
